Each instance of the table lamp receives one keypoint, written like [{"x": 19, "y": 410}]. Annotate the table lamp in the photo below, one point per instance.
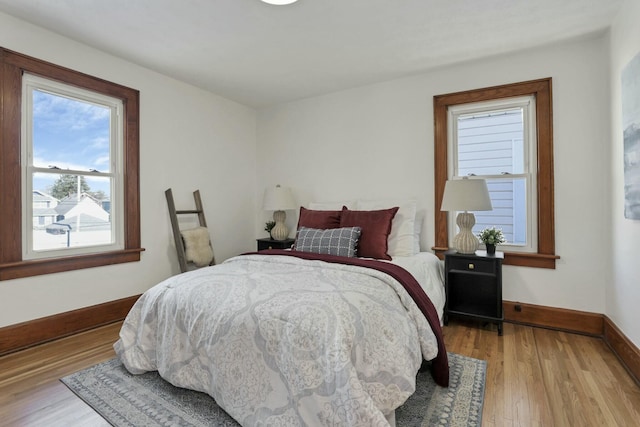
[
  {"x": 466, "y": 195},
  {"x": 278, "y": 199}
]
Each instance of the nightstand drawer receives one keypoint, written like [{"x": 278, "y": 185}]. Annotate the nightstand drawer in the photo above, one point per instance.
[
  {"x": 274, "y": 244},
  {"x": 472, "y": 265}
]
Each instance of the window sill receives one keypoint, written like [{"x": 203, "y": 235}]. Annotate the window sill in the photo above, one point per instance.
[
  {"x": 517, "y": 258},
  {"x": 20, "y": 269}
]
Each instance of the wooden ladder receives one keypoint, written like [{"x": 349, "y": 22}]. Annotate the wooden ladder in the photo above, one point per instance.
[{"x": 173, "y": 214}]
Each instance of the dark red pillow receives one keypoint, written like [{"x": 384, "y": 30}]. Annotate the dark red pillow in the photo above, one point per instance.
[
  {"x": 319, "y": 219},
  {"x": 375, "y": 225}
]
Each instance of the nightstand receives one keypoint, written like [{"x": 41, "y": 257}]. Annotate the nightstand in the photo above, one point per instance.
[
  {"x": 473, "y": 285},
  {"x": 268, "y": 243}
]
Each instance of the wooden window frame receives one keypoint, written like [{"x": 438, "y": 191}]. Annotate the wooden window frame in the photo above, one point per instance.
[
  {"x": 12, "y": 266},
  {"x": 545, "y": 257}
]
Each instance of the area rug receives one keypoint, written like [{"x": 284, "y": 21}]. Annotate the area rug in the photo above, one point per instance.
[{"x": 126, "y": 400}]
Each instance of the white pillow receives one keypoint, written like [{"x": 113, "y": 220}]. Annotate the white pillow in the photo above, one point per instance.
[
  {"x": 420, "y": 217},
  {"x": 402, "y": 239},
  {"x": 331, "y": 206}
]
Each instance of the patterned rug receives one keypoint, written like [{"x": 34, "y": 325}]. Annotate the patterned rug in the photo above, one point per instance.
[{"x": 147, "y": 400}]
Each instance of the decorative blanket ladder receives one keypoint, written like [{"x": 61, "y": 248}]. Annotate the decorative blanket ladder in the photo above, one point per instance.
[{"x": 193, "y": 245}]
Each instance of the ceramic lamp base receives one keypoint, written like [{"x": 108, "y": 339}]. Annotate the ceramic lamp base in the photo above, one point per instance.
[
  {"x": 280, "y": 230},
  {"x": 465, "y": 242}
]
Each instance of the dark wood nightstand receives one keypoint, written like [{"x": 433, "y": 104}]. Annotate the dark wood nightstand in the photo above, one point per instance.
[
  {"x": 473, "y": 284},
  {"x": 268, "y": 243}
]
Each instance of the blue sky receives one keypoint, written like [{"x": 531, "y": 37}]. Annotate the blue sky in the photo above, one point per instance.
[{"x": 70, "y": 134}]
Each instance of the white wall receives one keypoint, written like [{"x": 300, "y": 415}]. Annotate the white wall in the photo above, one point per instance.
[
  {"x": 189, "y": 139},
  {"x": 623, "y": 290},
  {"x": 377, "y": 142}
]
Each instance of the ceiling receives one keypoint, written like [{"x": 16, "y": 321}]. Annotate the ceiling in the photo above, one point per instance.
[{"x": 259, "y": 54}]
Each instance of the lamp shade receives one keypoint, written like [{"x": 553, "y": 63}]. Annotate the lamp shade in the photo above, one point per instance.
[
  {"x": 278, "y": 199},
  {"x": 466, "y": 195}
]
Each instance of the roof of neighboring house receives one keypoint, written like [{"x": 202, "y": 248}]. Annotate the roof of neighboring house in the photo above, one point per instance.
[
  {"x": 87, "y": 223},
  {"x": 65, "y": 206},
  {"x": 69, "y": 202},
  {"x": 44, "y": 212},
  {"x": 40, "y": 196}
]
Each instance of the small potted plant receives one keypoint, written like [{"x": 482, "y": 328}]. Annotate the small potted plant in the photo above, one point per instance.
[
  {"x": 491, "y": 237},
  {"x": 268, "y": 226}
]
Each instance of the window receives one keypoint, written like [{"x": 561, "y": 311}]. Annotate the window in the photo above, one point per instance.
[
  {"x": 502, "y": 134},
  {"x": 495, "y": 140},
  {"x": 79, "y": 132},
  {"x": 78, "y": 135}
]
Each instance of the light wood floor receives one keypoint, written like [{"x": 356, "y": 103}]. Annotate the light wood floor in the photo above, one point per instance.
[{"x": 535, "y": 377}]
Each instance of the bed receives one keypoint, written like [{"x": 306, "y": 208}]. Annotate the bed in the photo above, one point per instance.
[{"x": 293, "y": 337}]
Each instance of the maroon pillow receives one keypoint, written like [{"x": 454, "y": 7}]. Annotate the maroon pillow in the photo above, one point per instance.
[
  {"x": 319, "y": 219},
  {"x": 375, "y": 225}
]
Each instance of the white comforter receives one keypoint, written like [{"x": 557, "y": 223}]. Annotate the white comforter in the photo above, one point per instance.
[{"x": 282, "y": 341}]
